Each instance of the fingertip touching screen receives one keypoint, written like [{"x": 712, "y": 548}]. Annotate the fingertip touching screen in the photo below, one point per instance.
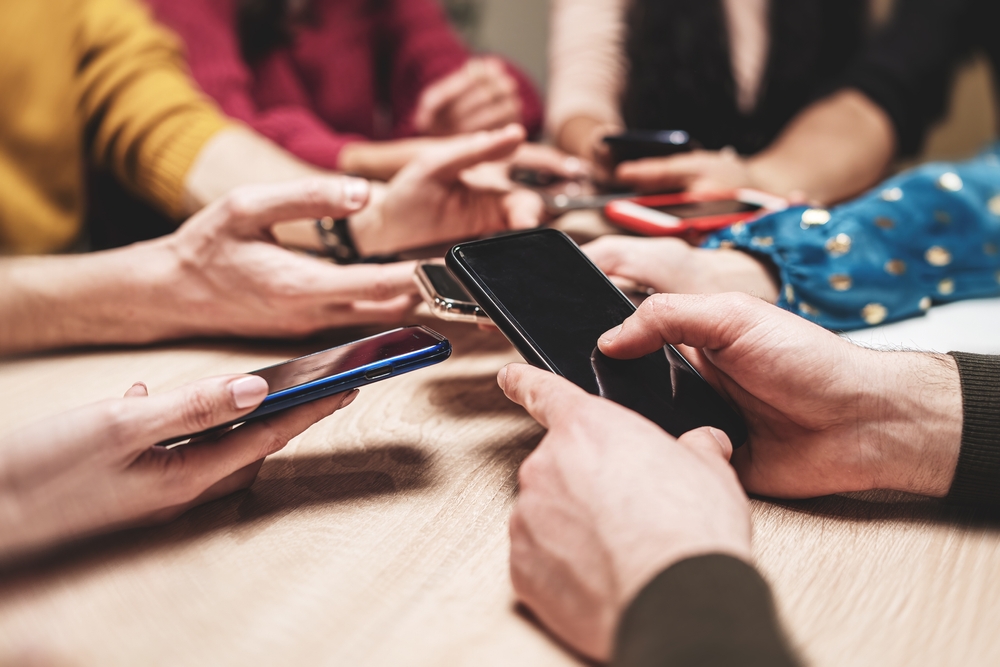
[{"x": 554, "y": 304}]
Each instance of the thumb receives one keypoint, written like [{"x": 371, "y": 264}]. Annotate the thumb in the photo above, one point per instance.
[
  {"x": 701, "y": 321},
  {"x": 256, "y": 208},
  {"x": 707, "y": 442},
  {"x": 196, "y": 407}
]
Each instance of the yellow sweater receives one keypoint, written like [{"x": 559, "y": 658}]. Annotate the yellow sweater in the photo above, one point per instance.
[{"x": 89, "y": 81}]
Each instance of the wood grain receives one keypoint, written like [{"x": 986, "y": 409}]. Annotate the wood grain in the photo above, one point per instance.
[{"x": 379, "y": 537}]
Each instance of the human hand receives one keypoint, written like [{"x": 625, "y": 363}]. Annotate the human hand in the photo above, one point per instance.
[
  {"x": 98, "y": 468},
  {"x": 481, "y": 95},
  {"x": 441, "y": 196},
  {"x": 222, "y": 273},
  {"x": 549, "y": 159},
  {"x": 672, "y": 265},
  {"x": 606, "y": 502},
  {"x": 824, "y": 415},
  {"x": 697, "y": 171}
]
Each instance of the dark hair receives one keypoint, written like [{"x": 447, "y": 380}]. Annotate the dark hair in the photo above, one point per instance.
[{"x": 262, "y": 26}]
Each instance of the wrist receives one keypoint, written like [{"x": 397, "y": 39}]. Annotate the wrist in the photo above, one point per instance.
[
  {"x": 367, "y": 227},
  {"x": 916, "y": 422}
]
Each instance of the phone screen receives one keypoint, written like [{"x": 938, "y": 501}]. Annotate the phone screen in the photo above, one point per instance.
[
  {"x": 561, "y": 304},
  {"x": 704, "y": 209},
  {"x": 346, "y": 358},
  {"x": 445, "y": 284}
]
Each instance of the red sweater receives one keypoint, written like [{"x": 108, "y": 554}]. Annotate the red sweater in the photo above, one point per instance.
[{"x": 324, "y": 91}]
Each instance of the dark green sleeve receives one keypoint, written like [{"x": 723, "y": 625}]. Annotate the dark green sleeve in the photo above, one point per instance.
[
  {"x": 977, "y": 477},
  {"x": 709, "y": 611}
]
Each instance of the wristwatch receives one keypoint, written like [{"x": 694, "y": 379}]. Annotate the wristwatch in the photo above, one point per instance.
[{"x": 335, "y": 235}]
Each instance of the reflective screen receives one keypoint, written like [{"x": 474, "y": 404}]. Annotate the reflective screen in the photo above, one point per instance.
[
  {"x": 346, "y": 358},
  {"x": 704, "y": 209},
  {"x": 445, "y": 284},
  {"x": 563, "y": 303}
]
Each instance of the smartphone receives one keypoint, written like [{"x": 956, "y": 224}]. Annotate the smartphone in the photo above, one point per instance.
[
  {"x": 445, "y": 295},
  {"x": 678, "y": 214},
  {"x": 639, "y": 144},
  {"x": 553, "y": 304},
  {"x": 343, "y": 368}
]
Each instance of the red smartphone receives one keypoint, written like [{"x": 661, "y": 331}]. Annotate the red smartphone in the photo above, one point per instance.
[{"x": 685, "y": 213}]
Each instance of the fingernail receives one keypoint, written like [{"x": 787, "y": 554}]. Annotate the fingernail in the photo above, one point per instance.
[
  {"x": 356, "y": 192},
  {"x": 573, "y": 165},
  {"x": 722, "y": 439},
  {"x": 502, "y": 377},
  {"x": 349, "y": 398},
  {"x": 248, "y": 391},
  {"x": 610, "y": 336}
]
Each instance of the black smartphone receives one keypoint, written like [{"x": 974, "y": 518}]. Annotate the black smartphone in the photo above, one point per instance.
[
  {"x": 445, "y": 296},
  {"x": 639, "y": 144},
  {"x": 553, "y": 304},
  {"x": 343, "y": 368}
]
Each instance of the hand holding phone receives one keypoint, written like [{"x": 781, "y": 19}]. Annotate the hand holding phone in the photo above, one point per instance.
[
  {"x": 343, "y": 368},
  {"x": 553, "y": 305}
]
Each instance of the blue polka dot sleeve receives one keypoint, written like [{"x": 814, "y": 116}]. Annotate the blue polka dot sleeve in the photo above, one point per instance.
[{"x": 928, "y": 236}]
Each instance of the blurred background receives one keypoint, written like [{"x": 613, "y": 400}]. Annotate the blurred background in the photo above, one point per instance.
[{"x": 518, "y": 29}]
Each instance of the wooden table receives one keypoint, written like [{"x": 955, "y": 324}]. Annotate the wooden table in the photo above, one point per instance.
[{"x": 379, "y": 537}]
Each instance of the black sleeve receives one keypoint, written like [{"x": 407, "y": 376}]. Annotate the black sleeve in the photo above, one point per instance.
[
  {"x": 707, "y": 611},
  {"x": 977, "y": 477},
  {"x": 908, "y": 67}
]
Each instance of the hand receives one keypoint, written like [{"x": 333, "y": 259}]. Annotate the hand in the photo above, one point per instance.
[
  {"x": 222, "y": 274},
  {"x": 673, "y": 266},
  {"x": 825, "y": 416},
  {"x": 549, "y": 159},
  {"x": 606, "y": 502},
  {"x": 481, "y": 95},
  {"x": 438, "y": 198},
  {"x": 97, "y": 468},
  {"x": 698, "y": 171},
  {"x": 584, "y": 137}
]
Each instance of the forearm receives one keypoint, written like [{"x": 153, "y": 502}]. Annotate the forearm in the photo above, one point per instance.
[
  {"x": 100, "y": 298},
  {"x": 709, "y": 610},
  {"x": 833, "y": 150},
  {"x": 235, "y": 157}
]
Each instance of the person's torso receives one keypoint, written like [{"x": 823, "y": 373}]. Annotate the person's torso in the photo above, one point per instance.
[
  {"x": 41, "y": 150},
  {"x": 681, "y": 76}
]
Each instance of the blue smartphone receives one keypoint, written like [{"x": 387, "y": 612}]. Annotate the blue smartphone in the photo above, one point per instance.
[{"x": 343, "y": 368}]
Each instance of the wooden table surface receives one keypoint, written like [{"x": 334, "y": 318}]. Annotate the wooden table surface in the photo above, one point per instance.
[{"x": 379, "y": 537}]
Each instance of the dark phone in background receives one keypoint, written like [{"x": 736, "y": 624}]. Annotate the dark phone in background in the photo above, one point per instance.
[
  {"x": 553, "y": 304},
  {"x": 639, "y": 144}
]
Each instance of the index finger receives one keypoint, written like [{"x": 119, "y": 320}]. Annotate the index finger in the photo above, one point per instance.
[
  {"x": 257, "y": 208},
  {"x": 544, "y": 395},
  {"x": 700, "y": 321},
  {"x": 661, "y": 172},
  {"x": 454, "y": 156}
]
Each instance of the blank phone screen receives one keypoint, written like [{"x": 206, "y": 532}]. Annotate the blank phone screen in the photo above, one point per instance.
[
  {"x": 704, "y": 209},
  {"x": 560, "y": 305},
  {"x": 346, "y": 358}
]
